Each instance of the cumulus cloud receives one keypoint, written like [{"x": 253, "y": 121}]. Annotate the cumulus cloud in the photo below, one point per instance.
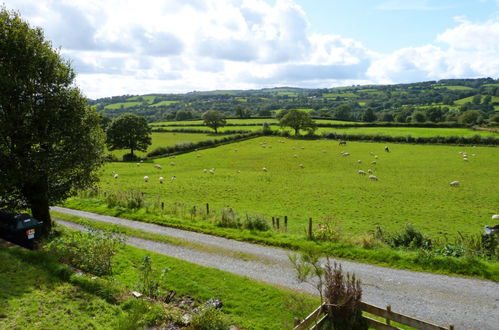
[{"x": 125, "y": 47}]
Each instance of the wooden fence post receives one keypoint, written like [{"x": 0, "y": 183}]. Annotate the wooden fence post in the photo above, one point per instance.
[
  {"x": 310, "y": 228},
  {"x": 389, "y": 310},
  {"x": 286, "y": 223},
  {"x": 273, "y": 222},
  {"x": 277, "y": 223},
  {"x": 162, "y": 205},
  {"x": 207, "y": 208},
  {"x": 451, "y": 327}
]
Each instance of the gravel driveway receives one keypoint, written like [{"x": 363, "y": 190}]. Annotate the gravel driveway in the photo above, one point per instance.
[{"x": 440, "y": 299}]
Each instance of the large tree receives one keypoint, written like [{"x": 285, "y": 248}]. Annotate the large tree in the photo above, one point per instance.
[
  {"x": 50, "y": 140},
  {"x": 298, "y": 120},
  {"x": 129, "y": 131},
  {"x": 214, "y": 119}
]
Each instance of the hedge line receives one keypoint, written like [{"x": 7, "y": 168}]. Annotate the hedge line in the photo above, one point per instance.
[
  {"x": 189, "y": 146},
  {"x": 191, "y": 130}
]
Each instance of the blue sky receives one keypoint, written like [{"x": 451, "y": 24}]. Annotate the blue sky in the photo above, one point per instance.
[{"x": 167, "y": 46}]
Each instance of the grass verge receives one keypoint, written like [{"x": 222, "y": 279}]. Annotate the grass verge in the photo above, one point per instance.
[{"x": 383, "y": 256}]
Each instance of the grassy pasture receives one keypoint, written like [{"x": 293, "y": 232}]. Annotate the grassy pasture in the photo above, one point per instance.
[
  {"x": 148, "y": 98},
  {"x": 406, "y": 131},
  {"x": 346, "y": 94},
  {"x": 165, "y": 139},
  {"x": 124, "y": 104},
  {"x": 163, "y": 103},
  {"x": 251, "y": 121},
  {"x": 413, "y": 183}
]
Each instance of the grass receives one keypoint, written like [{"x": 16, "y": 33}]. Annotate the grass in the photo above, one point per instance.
[
  {"x": 163, "y": 139},
  {"x": 34, "y": 296},
  {"x": 344, "y": 95},
  {"x": 122, "y": 104},
  {"x": 458, "y": 88},
  {"x": 163, "y": 103},
  {"x": 410, "y": 177},
  {"x": 406, "y": 131},
  {"x": 148, "y": 98}
]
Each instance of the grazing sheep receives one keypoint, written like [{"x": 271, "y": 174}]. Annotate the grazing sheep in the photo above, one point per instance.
[
  {"x": 212, "y": 171},
  {"x": 138, "y": 164},
  {"x": 238, "y": 171},
  {"x": 205, "y": 170},
  {"x": 376, "y": 156},
  {"x": 465, "y": 159},
  {"x": 161, "y": 179},
  {"x": 489, "y": 230},
  {"x": 387, "y": 149},
  {"x": 264, "y": 169},
  {"x": 295, "y": 156},
  {"x": 373, "y": 177},
  {"x": 373, "y": 162},
  {"x": 113, "y": 172},
  {"x": 301, "y": 165},
  {"x": 174, "y": 178},
  {"x": 344, "y": 153},
  {"x": 359, "y": 161},
  {"x": 157, "y": 166},
  {"x": 370, "y": 171},
  {"x": 454, "y": 183},
  {"x": 116, "y": 176},
  {"x": 372, "y": 153},
  {"x": 361, "y": 172},
  {"x": 342, "y": 142},
  {"x": 495, "y": 217},
  {"x": 146, "y": 179},
  {"x": 172, "y": 164}
]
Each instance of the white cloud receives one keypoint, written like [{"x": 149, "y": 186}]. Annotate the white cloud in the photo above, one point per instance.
[{"x": 135, "y": 47}]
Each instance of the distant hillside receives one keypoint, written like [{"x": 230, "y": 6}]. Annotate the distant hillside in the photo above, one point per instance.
[{"x": 438, "y": 101}]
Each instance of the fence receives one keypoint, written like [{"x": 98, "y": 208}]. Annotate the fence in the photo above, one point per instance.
[{"x": 319, "y": 316}]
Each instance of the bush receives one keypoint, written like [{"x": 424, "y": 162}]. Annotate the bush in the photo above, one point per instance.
[
  {"x": 90, "y": 251},
  {"x": 149, "y": 280},
  {"x": 130, "y": 158},
  {"x": 209, "y": 319},
  {"x": 410, "y": 238},
  {"x": 328, "y": 231},
  {"x": 229, "y": 219},
  {"x": 256, "y": 223}
]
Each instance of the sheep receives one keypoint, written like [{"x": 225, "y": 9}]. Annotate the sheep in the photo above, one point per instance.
[
  {"x": 146, "y": 179},
  {"x": 376, "y": 156},
  {"x": 370, "y": 171},
  {"x": 373, "y": 177},
  {"x": 301, "y": 165},
  {"x": 197, "y": 156},
  {"x": 113, "y": 172},
  {"x": 157, "y": 166},
  {"x": 342, "y": 142},
  {"x": 174, "y": 178},
  {"x": 359, "y": 161},
  {"x": 161, "y": 179},
  {"x": 454, "y": 183},
  {"x": 172, "y": 164},
  {"x": 212, "y": 171},
  {"x": 302, "y": 147},
  {"x": 372, "y": 153},
  {"x": 361, "y": 172},
  {"x": 295, "y": 156},
  {"x": 116, "y": 176},
  {"x": 205, "y": 170},
  {"x": 373, "y": 162},
  {"x": 465, "y": 159},
  {"x": 345, "y": 154},
  {"x": 387, "y": 149},
  {"x": 264, "y": 169},
  {"x": 238, "y": 171},
  {"x": 138, "y": 164},
  {"x": 495, "y": 217}
]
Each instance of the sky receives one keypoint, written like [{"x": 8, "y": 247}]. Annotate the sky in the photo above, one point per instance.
[{"x": 120, "y": 47}]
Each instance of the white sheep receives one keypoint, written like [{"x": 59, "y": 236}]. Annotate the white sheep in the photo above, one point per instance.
[
  {"x": 359, "y": 161},
  {"x": 454, "y": 183},
  {"x": 172, "y": 164},
  {"x": 373, "y": 177},
  {"x": 116, "y": 176},
  {"x": 146, "y": 179},
  {"x": 212, "y": 171},
  {"x": 370, "y": 171},
  {"x": 361, "y": 172},
  {"x": 301, "y": 165},
  {"x": 138, "y": 164},
  {"x": 264, "y": 169},
  {"x": 373, "y": 162},
  {"x": 495, "y": 217},
  {"x": 345, "y": 154},
  {"x": 376, "y": 156},
  {"x": 161, "y": 179},
  {"x": 372, "y": 153},
  {"x": 174, "y": 178},
  {"x": 205, "y": 170},
  {"x": 295, "y": 156},
  {"x": 465, "y": 159},
  {"x": 157, "y": 166},
  {"x": 113, "y": 172}
]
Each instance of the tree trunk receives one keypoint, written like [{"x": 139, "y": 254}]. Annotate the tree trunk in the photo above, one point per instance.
[
  {"x": 297, "y": 131},
  {"x": 131, "y": 151},
  {"x": 37, "y": 195}
]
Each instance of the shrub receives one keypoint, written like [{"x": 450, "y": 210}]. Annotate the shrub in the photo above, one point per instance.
[
  {"x": 256, "y": 223},
  {"x": 410, "y": 238},
  {"x": 130, "y": 158},
  {"x": 140, "y": 314},
  {"x": 228, "y": 219},
  {"x": 149, "y": 280},
  {"x": 209, "y": 319},
  {"x": 90, "y": 251},
  {"x": 328, "y": 230}
]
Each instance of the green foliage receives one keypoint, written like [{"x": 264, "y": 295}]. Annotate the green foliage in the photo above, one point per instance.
[
  {"x": 140, "y": 314},
  {"x": 209, "y": 319},
  {"x": 471, "y": 117},
  {"x": 343, "y": 112},
  {"x": 214, "y": 119},
  {"x": 129, "y": 131},
  {"x": 50, "y": 142},
  {"x": 410, "y": 238},
  {"x": 328, "y": 231},
  {"x": 91, "y": 251},
  {"x": 298, "y": 120},
  {"x": 368, "y": 115},
  {"x": 149, "y": 281}
]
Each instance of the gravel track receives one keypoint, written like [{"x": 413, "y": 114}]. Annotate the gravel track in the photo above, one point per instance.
[{"x": 444, "y": 300}]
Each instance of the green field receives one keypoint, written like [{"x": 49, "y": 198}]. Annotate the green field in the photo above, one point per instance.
[
  {"x": 346, "y": 94},
  {"x": 122, "y": 104},
  {"x": 251, "y": 121},
  {"x": 406, "y": 131},
  {"x": 413, "y": 183},
  {"x": 458, "y": 88},
  {"x": 163, "y": 103},
  {"x": 148, "y": 98},
  {"x": 167, "y": 139}
]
